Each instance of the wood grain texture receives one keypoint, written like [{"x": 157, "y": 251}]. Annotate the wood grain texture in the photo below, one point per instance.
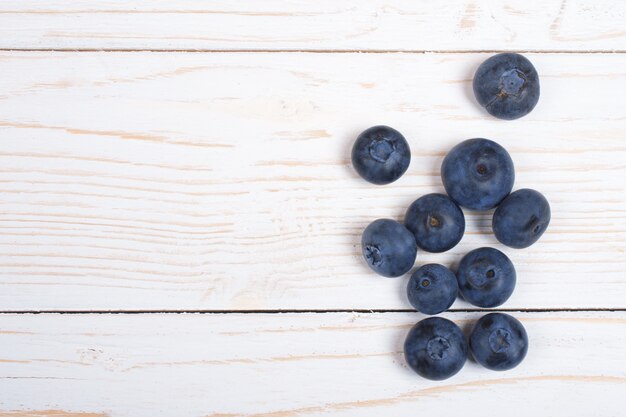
[
  {"x": 222, "y": 181},
  {"x": 286, "y": 365},
  {"x": 466, "y": 25}
]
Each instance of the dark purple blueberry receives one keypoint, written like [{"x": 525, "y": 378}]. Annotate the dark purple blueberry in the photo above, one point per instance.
[
  {"x": 432, "y": 289},
  {"x": 436, "y": 221},
  {"x": 381, "y": 155},
  {"x": 498, "y": 342},
  {"x": 520, "y": 220},
  {"x": 435, "y": 348},
  {"x": 478, "y": 174},
  {"x": 486, "y": 277},
  {"x": 388, "y": 247},
  {"x": 507, "y": 86}
]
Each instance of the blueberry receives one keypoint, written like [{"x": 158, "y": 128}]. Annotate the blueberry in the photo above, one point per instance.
[
  {"x": 486, "y": 277},
  {"x": 388, "y": 247},
  {"x": 520, "y": 220},
  {"x": 507, "y": 86},
  {"x": 435, "y": 348},
  {"x": 436, "y": 221},
  {"x": 498, "y": 342},
  {"x": 381, "y": 155},
  {"x": 478, "y": 174},
  {"x": 432, "y": 289}
]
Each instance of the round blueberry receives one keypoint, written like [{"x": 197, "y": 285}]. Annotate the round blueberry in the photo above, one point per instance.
[
  {"x": 388, "y": 247},
  {"x": 507, "y": 86},
  {"x": 436, "y": 221},
  {"x": 435, "y": 348},
  {"x": 498, "y": 342},
  {"x": 432, "y": 289},
  {"x": 478, "y": 174},
  {"x": 381, "y": 155},
  {"x": 520, "y": 220},
  {"x": 486, "y": 277}
]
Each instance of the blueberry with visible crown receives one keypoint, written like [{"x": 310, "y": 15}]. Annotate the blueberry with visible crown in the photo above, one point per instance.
[
  {"x": 388, "y": 247},
  {"x": 507, "y": 86},
  {"x": 435, "y": 348},
  {"x": 381, "y": 155},
  {"x": 499, "y": 342}
]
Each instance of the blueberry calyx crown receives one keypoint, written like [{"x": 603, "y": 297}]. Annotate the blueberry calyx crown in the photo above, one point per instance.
[
  {"x": 438, "y": 348},
  {"x": 500, "y": 340},
  {"x": 381, "y": 149},
  {"x": 372, "y": 253},
  {"x": 512, "y": 83}
]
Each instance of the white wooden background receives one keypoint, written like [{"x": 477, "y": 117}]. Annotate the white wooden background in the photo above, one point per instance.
[{"x": 180, "y": 223}]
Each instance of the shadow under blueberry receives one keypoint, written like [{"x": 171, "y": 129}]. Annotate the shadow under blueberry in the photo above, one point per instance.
[
  {"x": 347, "y": 154},
  {"x": 357, "y": 251},
  {"x": 401, "y": 285},
  {"x": 436, "y": 182},
  {"x": 468, "y": 86},
  {"x": 398, "y": 356},
  {"x": 466, "y": 327}
]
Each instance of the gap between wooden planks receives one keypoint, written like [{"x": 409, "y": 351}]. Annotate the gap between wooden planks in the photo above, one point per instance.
[
  {"x": 157, "y": 181},
  {"x": 295, "y": 365},
  {"x": 379, "y": 25}
]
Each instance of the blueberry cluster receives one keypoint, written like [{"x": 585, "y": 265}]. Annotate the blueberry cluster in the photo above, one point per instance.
[{"x": 477, "y": 174}]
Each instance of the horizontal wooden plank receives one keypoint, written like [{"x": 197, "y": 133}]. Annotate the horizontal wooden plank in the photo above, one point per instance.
[
  {"x": 223, "y": 181},
  {"x": 574, "y": 25},
  {"x": 284, "y": 365}
]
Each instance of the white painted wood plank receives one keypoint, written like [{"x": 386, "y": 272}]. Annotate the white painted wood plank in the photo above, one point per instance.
[
  {"x": 222, "y": 181},
  {"x": 322, "y": 25},
  {"x": 284, "y": 365}
]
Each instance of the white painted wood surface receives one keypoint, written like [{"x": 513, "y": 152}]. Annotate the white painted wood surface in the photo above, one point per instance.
[
  {"x": 178, "y": 180},
  {"x": 569, "y": 25},
  {"x": 168, "y": 181},
  {"x": 284, "y": 365}
]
